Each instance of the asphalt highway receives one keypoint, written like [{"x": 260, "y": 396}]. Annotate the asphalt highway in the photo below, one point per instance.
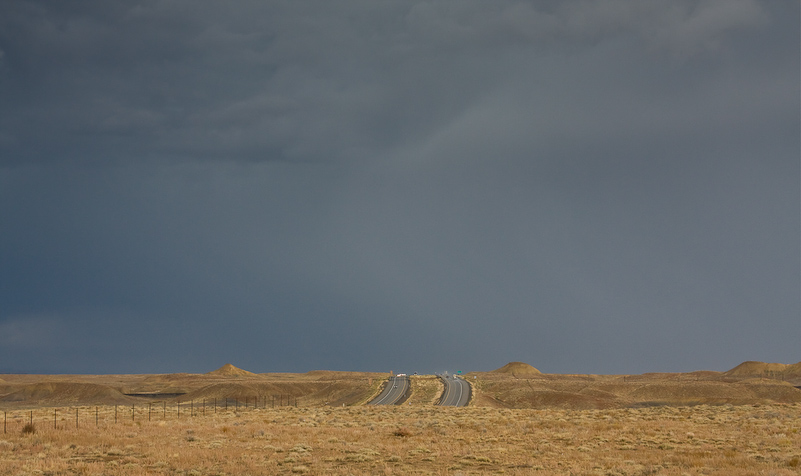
[
  {"x": 394, "y": 392},
  {"x": 457, "y": 392}
]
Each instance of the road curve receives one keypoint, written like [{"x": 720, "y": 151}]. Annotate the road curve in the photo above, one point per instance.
[
  {"x": 395, "y": 392},
  {"x": 457, "y": 392}
]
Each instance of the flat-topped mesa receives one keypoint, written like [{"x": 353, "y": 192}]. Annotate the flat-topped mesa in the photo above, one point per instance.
[
  {"x": 229, "y": 370},
  {"x": 520, "y": 369}
]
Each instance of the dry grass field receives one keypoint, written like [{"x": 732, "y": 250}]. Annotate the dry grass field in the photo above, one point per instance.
[
  {"x": 520, "y": 422},
  {"x": 710, "y": 440}
]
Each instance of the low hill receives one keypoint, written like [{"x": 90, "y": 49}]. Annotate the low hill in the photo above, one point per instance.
[
  {"x": 53, "y": 393},
  {"x": 518, "y": 369},
  {"x": 761, "y": 369},
  {"x": 336, "y": 375},
  {"x": 794, "y": 370},
  {"x": 309, "y": 393},
  {"x": 599, "y": 392},
  {"x": 229, "y": 370},
  {"x": 329, "y": 374}
]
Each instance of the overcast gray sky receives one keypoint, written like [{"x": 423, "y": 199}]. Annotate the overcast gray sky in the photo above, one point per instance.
[{"x": 606, "y": 186}]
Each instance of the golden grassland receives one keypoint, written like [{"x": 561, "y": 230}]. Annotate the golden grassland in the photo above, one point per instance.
[
  {"x": 408, "y": 439},
  {"x": 624, "y": 391},
  {"x": 520, "y": 421}
]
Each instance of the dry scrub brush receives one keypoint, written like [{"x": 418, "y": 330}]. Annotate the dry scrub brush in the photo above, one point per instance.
[{"x": 709, "y": 440}]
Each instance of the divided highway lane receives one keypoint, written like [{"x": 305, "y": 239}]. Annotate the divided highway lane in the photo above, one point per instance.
[
  {"x": 457, "y": 392},
  {"x": 394, "y": 393}
]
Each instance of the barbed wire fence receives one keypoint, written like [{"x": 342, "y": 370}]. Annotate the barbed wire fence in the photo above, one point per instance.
[{"x": 61, "y": 417}]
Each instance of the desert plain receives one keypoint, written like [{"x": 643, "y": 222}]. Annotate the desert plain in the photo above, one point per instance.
[{"x": 230, "y": 421}]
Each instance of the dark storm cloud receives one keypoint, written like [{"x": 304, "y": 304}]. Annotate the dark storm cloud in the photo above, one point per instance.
[
  {"x": 300, "y": 80},
  {"x": 605, "y": 186}
]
